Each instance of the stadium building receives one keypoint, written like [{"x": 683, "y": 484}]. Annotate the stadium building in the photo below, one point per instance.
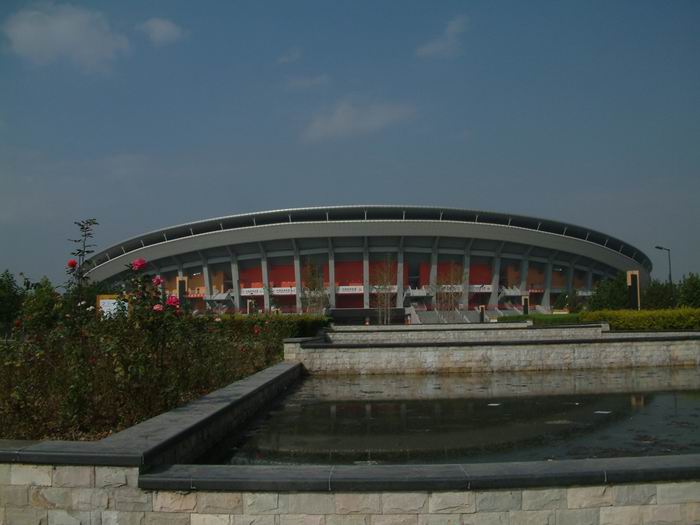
[{"x": 427, "y": 257}]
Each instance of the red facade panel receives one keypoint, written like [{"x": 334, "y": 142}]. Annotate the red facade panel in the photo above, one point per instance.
[
  {"x": 281, "y": 274},
  {"x": 424, "y": 273},
  {"x": 348, "y": 273},
  {"x": 480, "y": 273},
  {"x": 251, "y": 277},
  {"x": 449, "y": 272}
]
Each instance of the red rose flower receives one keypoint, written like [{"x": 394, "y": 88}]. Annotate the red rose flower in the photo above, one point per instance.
[
  {"x": 72, "y": 263},
  {"x": 172, "y": 300},
  {"x": 138, "y": 264},
  {"x": 157, "y": 280}
]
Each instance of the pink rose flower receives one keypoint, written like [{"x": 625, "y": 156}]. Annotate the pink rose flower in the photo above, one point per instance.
[
  {"x": 173, "y": 301},
  {"x": 157, "y": 307},
  {"x": 138, "y": 264},
  {"x": 157, "y": 280}
]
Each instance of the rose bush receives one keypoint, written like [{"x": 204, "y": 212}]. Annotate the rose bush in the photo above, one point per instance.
[{"x": 69, "y": 372}]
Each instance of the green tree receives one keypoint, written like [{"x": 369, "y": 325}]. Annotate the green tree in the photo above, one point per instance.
[
  {"x": 11, "y": 296},
  {"x": 610, "y": 294},
  {"x": 658, "y": 295},
  {"x": 561, "y": 301},
  {"x": 689, "y": 291}
]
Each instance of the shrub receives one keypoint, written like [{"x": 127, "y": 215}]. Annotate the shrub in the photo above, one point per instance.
[
  {"x": 672, "y": 319},
  {"x": 11, "y": 297},
  {"x": 689, "y": 291},
  {"x": 610, "y": 294},
  {"x": 70, "y": 373},
  {"x": 658, "y": 295}
]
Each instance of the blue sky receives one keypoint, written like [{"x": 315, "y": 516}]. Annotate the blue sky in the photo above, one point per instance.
[{"x": 145, "y": 114}]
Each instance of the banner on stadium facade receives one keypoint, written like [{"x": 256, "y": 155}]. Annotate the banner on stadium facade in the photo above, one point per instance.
[
  {"x": 480, "y": 288},
  {"x": 350, "y": 289},
  {"x": 284, "y": 290}
]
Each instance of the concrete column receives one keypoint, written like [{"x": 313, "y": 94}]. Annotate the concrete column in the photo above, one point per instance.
[
  {"x": 570, "y": 280},
  {"x": 235, "y": 284},
  {"x": 589, "y": 279},
  {"x": 297, "y": 280},
  {"x": 207, "y": 277},
  {"x": 495, "y": 280},
  {"x": 433, "y": 269},
  {"x": 266, "y": 281},
  {"x": 331, "y": 275},
  {"x": 524, "y": 269},
  {"x": 180, "y": 271},
  {"x": 547, "y": 286},
  {"x": 365, "y": 275},
  {"x": 465, "y": 277},
  {"x": 399, "y": 278}
]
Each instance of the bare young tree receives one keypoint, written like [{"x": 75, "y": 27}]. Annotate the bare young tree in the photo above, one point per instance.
[
  {"x": 314, "y": 297},
  {"x": 448, "y": 294},
  {"x": 383, "y": 282}
]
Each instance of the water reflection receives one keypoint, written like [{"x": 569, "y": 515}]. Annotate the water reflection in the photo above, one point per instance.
[{"x": 495, "y": 417}]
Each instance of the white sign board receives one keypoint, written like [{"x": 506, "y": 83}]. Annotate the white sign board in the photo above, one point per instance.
[
  {"x": 251, "y": 291},
  {"x": 350, "y": 289},
  {"x": 385, "y": 289},
  {"x": 109, "y": 307},
  {"x": 451, "y": 288},
  {"x": 284, "y": 290},
  {"x": 480, "y": 288}
]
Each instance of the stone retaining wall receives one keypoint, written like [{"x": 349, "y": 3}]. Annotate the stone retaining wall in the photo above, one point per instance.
[
  {"x": 62, "y": 495},
  {"x": 522, "y": 333},
  {"x": 493, "y": 357}
]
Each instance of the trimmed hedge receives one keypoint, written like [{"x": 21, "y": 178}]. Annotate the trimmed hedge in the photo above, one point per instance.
[
  {"x": 542, "y": 319},
  {"x": 676, "y": 319}
]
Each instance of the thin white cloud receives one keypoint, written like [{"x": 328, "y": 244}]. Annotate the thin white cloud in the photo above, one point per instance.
[
  {"x": 161, "y": 31},
  {"x": 448, "y": 44},
  {"x": 348, "y": 119},
  {"x": 308, "y": 82},
  {"x": 290, "y": 55},
  {"x": 47, "y": 33}
]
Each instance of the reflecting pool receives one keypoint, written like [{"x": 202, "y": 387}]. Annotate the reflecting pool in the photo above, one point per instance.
[{"x": 474, "y": 418}]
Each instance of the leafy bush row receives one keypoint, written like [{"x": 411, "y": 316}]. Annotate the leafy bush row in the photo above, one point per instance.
[{"x": 672, "y": 319}]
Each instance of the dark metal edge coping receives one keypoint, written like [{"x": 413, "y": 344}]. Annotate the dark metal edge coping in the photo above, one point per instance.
[
  {"x": 135, "y": 452},
  {"x": 303, "y": 339},
  {"x": 477, "y": 476},
  {"x": 519, "y": 342},
  {"x": 501, "y": 326}
]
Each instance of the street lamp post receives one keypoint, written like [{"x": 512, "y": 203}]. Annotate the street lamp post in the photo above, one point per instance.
[{"x": 668, "y": 251}]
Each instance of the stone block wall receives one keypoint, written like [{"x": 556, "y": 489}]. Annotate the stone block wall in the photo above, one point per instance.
[
  {"x": 492, "y": 357},
  {"x": 58, "y": 495},
  {"x": 504, "y": 333}
]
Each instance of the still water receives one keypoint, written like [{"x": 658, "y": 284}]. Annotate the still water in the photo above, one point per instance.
[{"x": 474, "y": 418}]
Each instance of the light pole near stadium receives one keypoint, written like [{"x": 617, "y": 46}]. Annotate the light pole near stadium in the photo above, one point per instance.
[{"x": 668, "y": 250}]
